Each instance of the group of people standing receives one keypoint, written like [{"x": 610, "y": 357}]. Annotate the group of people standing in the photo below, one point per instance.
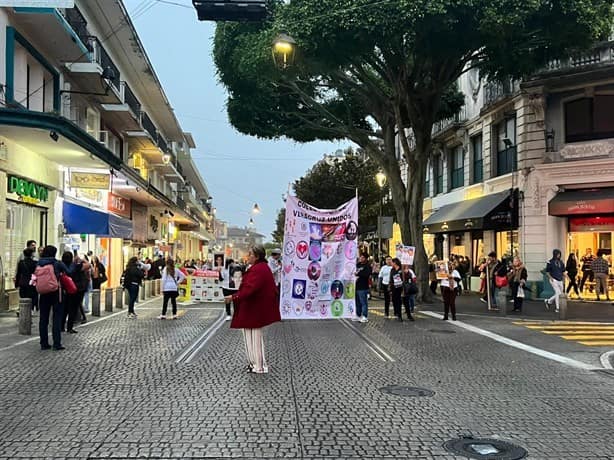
[{"x": 398, "y": 284}]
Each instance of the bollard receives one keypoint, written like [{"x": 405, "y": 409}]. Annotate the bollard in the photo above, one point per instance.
[
  {"x": 119, "y": 298},
  {"x": 25, "y": 316},
  {"x": 563, "y": 306},
  {"x": 501, "y": 295},
  {"x": 95, "y": 302},
  {"x": 147, "y": 288},
  {"x": 142, "y": 292},
  {"x": 158, "y": 284},
  {"x": 108, "y": 300}
]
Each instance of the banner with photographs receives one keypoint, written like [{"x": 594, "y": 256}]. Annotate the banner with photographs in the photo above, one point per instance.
[
  {"x": 405, "y": 254},
  {"x": 319, "y": 261}
]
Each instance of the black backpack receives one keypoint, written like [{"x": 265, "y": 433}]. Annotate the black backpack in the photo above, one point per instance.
[
  {"x": 80, "y": 278},
  {"x": 25, "y": 268}
]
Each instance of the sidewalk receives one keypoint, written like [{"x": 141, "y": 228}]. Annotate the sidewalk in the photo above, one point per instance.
[{"x": 470, "y": 303}]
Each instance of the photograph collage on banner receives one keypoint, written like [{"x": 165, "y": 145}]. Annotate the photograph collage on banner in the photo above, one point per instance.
[{"x": 319, "y": 261}]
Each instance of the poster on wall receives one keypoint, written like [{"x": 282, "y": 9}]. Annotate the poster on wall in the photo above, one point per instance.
[
  {"x": 405, "y": 254},
  {"x": 319, "y": 261}
]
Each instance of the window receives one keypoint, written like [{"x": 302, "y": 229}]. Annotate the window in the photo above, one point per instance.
[
  {"x": 457, "y": 163},
  {"x": 589, "y": 118},
  {"x": 505, "y": 137},
  {"x": 427, "y": 181},
  {"x": 478, "y": 159},
  {"x": 438, "y": 172}
]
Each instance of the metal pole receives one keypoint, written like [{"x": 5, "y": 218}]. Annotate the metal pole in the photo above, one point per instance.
[
  {"x": 379, "y": 229},
  {"x": 488, "y": 287}
]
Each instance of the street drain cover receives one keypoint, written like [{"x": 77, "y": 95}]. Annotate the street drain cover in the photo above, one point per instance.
[
  {"x": 407, "y": 392},
  {"x": 485, "y": 449},
  {"x": 442, "y": 331}
]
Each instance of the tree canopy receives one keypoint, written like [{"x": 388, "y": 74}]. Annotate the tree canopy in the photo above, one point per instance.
[{"x": 371, "y": 71}]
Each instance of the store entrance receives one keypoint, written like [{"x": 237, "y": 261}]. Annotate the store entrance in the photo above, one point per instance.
[{"x": 599, "y": 243}]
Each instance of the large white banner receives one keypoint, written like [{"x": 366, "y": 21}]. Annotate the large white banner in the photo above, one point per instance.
[{"x": 319, "y": 261}]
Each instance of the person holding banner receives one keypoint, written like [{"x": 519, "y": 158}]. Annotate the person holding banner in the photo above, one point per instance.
[
  {"x": 256, "y": 306},
  {"x": 228, "y": 285}
]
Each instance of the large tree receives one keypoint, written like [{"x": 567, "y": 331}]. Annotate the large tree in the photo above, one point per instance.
[{"x": 369, "y": 71}]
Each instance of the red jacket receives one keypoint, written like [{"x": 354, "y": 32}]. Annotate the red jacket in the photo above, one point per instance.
[{"x": 256, "y": 304}]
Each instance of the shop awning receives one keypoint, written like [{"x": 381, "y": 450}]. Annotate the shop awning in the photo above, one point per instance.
[
  {"x": 83, "y": 220},
  {"x": 490, "y": 212},
  {"x": 582, "y": 202}
]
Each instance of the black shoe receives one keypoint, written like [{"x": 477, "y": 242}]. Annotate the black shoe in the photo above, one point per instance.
[
  {"x": 72, "y": 331},
  {"x": 45, "y": 347},
  {"x": 454, "y": 318},
  {"x": 83, "y": 321},
  {"x": 59, "y": 348},
  {"x": 445, "y": 318},
  {"x": 411, "y": 318},
  {"x": 399, "y": 319}
]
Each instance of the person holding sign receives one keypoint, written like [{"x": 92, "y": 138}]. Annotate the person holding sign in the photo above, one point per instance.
[
  {"x": 396, "y": 287},
  {"x": 256, "y": 306},
  {"x": 448, "y": 288}
]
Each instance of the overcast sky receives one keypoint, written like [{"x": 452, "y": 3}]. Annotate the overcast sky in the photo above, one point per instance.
[{"x": 239, "y": 170}]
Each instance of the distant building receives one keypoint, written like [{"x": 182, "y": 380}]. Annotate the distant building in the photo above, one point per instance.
[{"x": 238, "y": 241}]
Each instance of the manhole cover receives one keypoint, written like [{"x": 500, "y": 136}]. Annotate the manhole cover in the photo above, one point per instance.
[
  {"x": 442, "y": 331},
  {"x": 485, "y": 449},
  {"x": 408, "y": 392}
]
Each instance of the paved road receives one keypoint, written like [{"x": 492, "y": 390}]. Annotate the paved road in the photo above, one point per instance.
[{"x": 117, "y": 392}]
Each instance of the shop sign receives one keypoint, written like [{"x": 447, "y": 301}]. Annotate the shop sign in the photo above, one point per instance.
[
  {"x": 28, "y": 192},
  {"x": 119, "y": 205},
  {"x": 591, "y": 224},
  {"x": 96, "y": 181}
]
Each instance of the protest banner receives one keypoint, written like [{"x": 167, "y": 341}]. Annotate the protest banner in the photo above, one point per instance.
[
  {"x": 405, "y": 254},
  {"x": 319, "y": 261},
  {"x": 441, "y": 269}
]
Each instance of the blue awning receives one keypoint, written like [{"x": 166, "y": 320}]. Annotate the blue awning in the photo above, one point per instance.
[{"x": 82, "y": 220}]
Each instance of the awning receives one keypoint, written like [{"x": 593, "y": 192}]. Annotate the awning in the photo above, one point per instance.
[
  {"x": 82, "y": 220},
  {"x": 490, "y": 212},
  {"x": 582, "y": 202}
]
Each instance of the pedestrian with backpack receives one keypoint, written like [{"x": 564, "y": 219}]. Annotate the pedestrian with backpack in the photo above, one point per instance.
[
  {"x": 46, "y": 279},
  {"x": 171, "y": 279},
  {"x": 25, "y": 270}
]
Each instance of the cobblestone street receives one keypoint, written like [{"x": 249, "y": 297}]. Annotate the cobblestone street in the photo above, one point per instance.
[{"x": 118, "y": 392}]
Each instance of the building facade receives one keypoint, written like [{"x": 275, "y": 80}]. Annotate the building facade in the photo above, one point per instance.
[{"x": 92, "y": 157}]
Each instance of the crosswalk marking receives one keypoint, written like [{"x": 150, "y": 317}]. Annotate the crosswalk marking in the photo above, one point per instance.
[{"x": 585, "y": 333}]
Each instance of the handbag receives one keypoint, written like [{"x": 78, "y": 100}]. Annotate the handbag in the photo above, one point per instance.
[
  {"x": 500, "y": 281},
  {"x": 520, "y": 293},
  {"x": 103, "y": 278},
  {"x": 68, "y": 284},
  {"x": 410, "y": 288}
]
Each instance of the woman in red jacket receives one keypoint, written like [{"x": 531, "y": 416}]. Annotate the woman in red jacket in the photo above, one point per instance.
[{"x": 256, "y": 305}]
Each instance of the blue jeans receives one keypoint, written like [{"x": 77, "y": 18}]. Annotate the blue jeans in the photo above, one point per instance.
[
  {"x": 362, "y": 305},
  {"x": 409, "y": 301},
  {"x": 50, "y": 303},
  {"x": 133, "y": 294}
]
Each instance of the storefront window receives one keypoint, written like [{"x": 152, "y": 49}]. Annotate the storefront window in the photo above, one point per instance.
[
  {"x": 506, "y": 241},
  {"x": 477, "y": 251}
]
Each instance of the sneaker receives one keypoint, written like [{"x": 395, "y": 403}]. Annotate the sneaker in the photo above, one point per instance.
[
  {"x": 556, "y": 310},
  {"x": 364, "y": 319},
  {"x": 355, "y": 318},
  {"x": 228, "y": 318},
  {"x": 546, "y": 304},
  {"x": 175, "y": 316},
  {"x": 131, "y": 315},
  {"x": 162, "y": 317},
  {"x": 482, "y": 299}
]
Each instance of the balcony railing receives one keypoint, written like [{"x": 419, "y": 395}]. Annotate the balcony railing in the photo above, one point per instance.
[
  {"x": 149, "y": 126},
  {"x": 494, "y": 91},
  {"x": 451, "y": 122},
  {"x": 602, "y": 54},
  {"x": 102, "y": 58},
  {"x": 179, "y": 169},
  {"x": 181, "y": 203},
  {"x": 131, "y": 100},
  {"x": 162, "y": 144},
  {"x": 78, "y": 23}
]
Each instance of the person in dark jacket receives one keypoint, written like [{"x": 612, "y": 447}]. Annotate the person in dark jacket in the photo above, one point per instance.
[
  {"x": 555, "y": 269},
  {"x": 363, "y": 275},
  {"x": 571, "y": 267},
  {"x": 51, "y": 302},
  {"x": 133, "y": 277},
  {"x": 396, "y": 287},
  {"x": 99, "y": 273},
  {"x": 256, "y": 306},
  {"x": 25, "y": 269},
  {"x": 517, "y": 277}
]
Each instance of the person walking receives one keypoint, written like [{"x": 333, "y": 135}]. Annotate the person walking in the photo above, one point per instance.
[
  {"x": 555, "y": 270},
  {"x": 571, "y": 267},
  {"x": 133, "y": 277},
  {"x": 229, "y": 286},
  {"x": 384, "y": 283},
  {"x": 448, "y": 291},
  {"x": 47, "y": 274},
  {"x": 256, "y": 306},
  {"x": 410, "y": 289},
  {"x": 171, "y": 279},
  {"x": 363, "y": 274},
  {"x": 396, "y": 287},
  {"x": 25, "y": 270},
  {"x": 587, "y": 269},
  {"x": 99, "y": 273},
  {"x": 601, "y": 270},
  {"x": 517, "y": 277}
]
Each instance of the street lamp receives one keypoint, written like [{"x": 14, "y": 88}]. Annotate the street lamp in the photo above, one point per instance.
[
  {"x": 380, "y": 179},
  {"x": 256, "y": 209},
  {"x": 166, "y": 158},
  {"x": 284, "y": 50}
]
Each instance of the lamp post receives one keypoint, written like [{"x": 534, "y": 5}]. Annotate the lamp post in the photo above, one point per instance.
[
  {"x": 284, "y": 50},
  {"x": 509, "y": 145},
  {"x": 380, "y": 179}
]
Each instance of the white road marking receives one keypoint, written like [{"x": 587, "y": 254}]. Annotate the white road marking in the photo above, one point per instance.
[
  {"x": 606, "y": 359},
  {"x": 516, "y": 344}
]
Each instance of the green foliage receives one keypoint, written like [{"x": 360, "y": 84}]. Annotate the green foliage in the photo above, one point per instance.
[{"x": 278, "y": 233}]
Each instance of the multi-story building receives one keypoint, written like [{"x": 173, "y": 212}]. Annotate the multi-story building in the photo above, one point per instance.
[
  {"x": 238, "y": 241},
  {"x": 92, "y": 156},
  {"x": 526, "y": 167}
]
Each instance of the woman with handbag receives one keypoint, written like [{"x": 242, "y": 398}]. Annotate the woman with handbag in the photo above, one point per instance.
[
  {"x": 410, "y": 289},
  {"x": 448, "y": 291},
  {"x": 256, "y": 306},
  {"x": 517, "y": 277},
  {"x": 99, "y": 274},
  {"x": 171, "y": 279}
]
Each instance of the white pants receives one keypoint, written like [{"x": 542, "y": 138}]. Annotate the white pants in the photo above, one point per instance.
[
  {"x": 254, "y": 348},
  {"x": 558, "y": 290}
]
